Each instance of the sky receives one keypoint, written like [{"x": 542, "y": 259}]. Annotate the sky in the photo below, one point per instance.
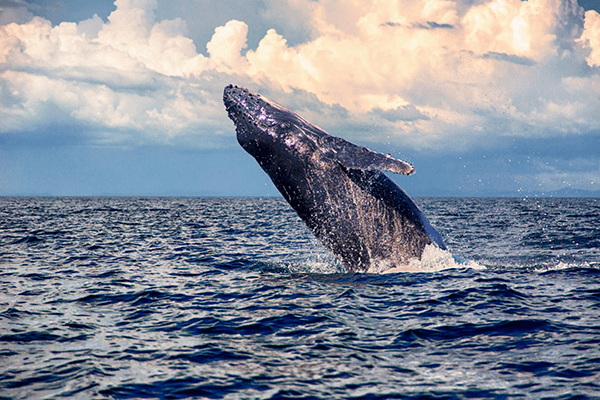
[{"x": 483, "y": 97}]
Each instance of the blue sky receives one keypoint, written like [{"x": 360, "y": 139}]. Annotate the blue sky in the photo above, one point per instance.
[{"x": 484, "y": 98}]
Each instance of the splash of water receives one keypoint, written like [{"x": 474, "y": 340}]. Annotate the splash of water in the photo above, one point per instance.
[{"x": 433, "y": 259}]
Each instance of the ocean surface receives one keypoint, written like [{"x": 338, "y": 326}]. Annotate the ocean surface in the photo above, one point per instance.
[{"x": 172, "y": 298}]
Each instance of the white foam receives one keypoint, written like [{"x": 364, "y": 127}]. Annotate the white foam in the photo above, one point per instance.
[
  {"x": 561, "y": 265},
  {"x": 433, "y": 259}
]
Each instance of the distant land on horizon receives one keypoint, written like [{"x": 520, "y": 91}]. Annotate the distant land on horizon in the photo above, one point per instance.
[{"x": 565, "y": 192}]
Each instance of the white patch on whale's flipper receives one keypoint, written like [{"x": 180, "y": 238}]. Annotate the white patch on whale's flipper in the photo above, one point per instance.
[{"x": 434, "y": 259}]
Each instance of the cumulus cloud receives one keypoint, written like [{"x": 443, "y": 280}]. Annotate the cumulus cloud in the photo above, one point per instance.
[
  {"x": 128, "y": 74},
  {"x": 498, "y": 67},
  {"x": 426, "y": 73},
  {"x": 591, "y": 37}
]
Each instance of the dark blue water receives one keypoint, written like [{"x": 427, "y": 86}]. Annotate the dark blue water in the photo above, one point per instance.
[{"x": 174, "y": 298}]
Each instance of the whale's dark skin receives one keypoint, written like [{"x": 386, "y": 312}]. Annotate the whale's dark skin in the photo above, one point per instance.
[{"x": 336, "y": 187}]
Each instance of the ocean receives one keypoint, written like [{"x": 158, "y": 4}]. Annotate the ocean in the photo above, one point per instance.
[{"x": 173, "y": 298}]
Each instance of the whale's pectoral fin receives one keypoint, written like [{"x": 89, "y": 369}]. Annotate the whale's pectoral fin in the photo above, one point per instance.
[{"x": 352, "y": 156}]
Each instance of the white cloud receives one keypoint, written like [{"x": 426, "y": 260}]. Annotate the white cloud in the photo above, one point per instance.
[
  {"x": 226, "y": 46},
  {"x": 591, "y": 37},
  {"x": 427, "y": 73},
  {"x": 130, "y": 73},
  {"x": 465, "y": 69}
]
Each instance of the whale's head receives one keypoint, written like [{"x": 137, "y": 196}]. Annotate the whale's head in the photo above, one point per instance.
[{"x": 259, "y": 120}]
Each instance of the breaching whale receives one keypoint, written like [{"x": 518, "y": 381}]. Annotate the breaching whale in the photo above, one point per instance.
[{"x": 336, "y": 187}]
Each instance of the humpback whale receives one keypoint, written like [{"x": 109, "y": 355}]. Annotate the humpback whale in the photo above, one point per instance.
[{"x": 336, "y": 187}]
